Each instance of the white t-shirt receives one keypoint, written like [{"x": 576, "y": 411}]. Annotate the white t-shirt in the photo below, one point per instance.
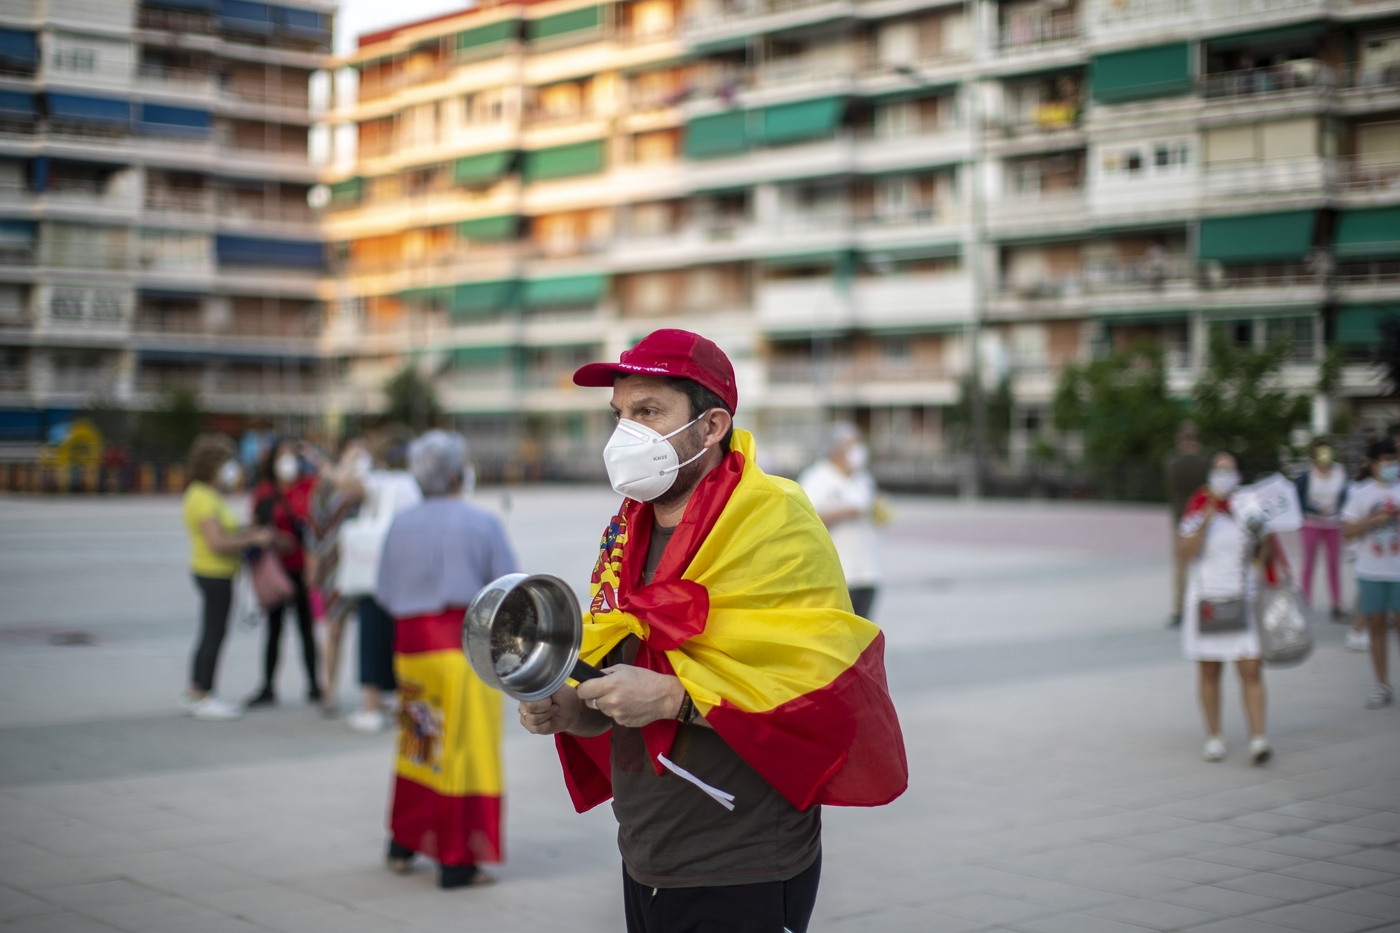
[
  {"x": 829, "y": 490},
  {"x": 1377, "y": 552},
  {"x": 1325, "y": 492}
]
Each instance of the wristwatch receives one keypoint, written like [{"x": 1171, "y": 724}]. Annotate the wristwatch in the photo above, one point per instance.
[{"x": 687, "y": 712}]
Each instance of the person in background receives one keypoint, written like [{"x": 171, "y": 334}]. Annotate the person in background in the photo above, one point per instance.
[
  {"x": 446, "y": 799},
  {"x": 1219, "y": 552},
  {"x": 282, "y": 500},
  {"x": 337, "y": 496},
  {"x": 1370, "y": 518},
  {"x": 389, "y": 490},
  {"x": 1185, "y": 473},
  {"x": 1322, "y": 491},
  {"x": 216, "y": 543},
  {"x": 842, "y": 491}
]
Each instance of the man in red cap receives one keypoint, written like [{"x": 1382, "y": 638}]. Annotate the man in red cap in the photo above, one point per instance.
[{"x": 740, "y": 692}]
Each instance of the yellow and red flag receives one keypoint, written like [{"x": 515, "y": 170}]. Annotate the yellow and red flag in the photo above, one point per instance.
[
  {"x": 447, "y": 782},
  {"x": 749, "y": 608}
]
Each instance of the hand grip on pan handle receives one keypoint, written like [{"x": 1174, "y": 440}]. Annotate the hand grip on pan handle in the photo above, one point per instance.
[{"x": 583, "y": 671}]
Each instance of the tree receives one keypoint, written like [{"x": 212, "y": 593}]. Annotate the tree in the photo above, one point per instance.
[
  {"x": 172, "y": 427},
  {"x": 411, "y": 400},
  {"x": 959, "y": 418},
  {"x": 1121, "y": 407},
  {"x": 1240, "y": 407}
]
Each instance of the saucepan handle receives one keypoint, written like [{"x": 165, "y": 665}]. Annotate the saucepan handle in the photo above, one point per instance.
[{"x": 582, "y": 672}]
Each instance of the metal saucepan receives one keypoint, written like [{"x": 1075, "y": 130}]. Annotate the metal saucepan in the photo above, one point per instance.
[{"x": 522, "y": 634}]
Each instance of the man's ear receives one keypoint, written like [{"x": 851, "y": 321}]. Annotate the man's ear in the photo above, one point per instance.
[{"x": 724, "y": 422}]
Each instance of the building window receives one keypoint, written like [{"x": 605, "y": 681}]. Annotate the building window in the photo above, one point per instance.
[{"x": 66, "y": 304}]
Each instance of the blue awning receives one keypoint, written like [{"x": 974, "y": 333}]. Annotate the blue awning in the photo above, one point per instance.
[
  {"x": 18, "y": 46},
  {"x": 309, "y": 22},
  {"x": 158, "y": 119},
  {"x": 17, "y": 103},
  {"x": 88, "y": 109},
  {"x": 257, "y": 251},
  {"x": 204, "y": 6},
  {"x": 249, "y": 17},
  {"x": 12, "y": 231}
]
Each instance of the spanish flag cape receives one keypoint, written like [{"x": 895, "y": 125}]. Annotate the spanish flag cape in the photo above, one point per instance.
[{"x": 749, "y": 608}]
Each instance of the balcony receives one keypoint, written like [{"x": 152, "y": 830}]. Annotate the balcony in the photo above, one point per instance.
[
  {"x": 1028, "y": 210},
  {"x": 186, "y": 81},
  {"x": 1151, "y": 18},
  {"x": 1036, "y": 33},
  {"x": 187, "y": 22},
  {"x": 1305, "y": 76},
  {"x": 1369, "y": 175},
  {"x": 715, "y": 20},
  {"x": 183, "y": 200},
  {"x": 1283, "y": 177}
]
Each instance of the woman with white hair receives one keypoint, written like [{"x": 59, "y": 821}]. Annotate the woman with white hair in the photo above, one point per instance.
[
  {"x": 446, "y": 797},
  {"x": 843, "y": 493}
]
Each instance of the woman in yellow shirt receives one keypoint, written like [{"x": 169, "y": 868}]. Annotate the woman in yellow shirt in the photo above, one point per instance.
[{"x": 216, "y": 543}]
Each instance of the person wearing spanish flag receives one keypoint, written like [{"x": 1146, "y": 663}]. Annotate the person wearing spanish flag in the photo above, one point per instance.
[{"x": 741, "y": 692}]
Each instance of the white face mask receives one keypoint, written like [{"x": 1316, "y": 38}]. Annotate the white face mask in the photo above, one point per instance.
[
  {"x": 858, "y": 457},
  {"x": 641, "y": 462},
  {"x": 287, "y": 468},
  {"x": 1223, "y": 482},
  {"x": 230, "y": 475},
  {"x": 360, "y": 464}
]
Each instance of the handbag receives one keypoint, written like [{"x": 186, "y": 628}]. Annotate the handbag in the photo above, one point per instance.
[
  {"x": 1285, "y": 637},
  {"x": 1221, "y": 616},
  {"x": 361, "y": 544},
  {"x": 270, "y": 582}
]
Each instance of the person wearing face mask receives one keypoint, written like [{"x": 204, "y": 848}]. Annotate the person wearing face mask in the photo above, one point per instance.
[
  {"x": 843, "y": 493},
  {"x": 216, "y": 544},
  {"x": 1370, "y": 519},
  {"x": 1218, "y": 624},
  {"x": 337, "y": 496},
  {"x": 282, "y": 501},
  {"x": 1322, "y": 490},
  {"x": 741, "y": 693}
]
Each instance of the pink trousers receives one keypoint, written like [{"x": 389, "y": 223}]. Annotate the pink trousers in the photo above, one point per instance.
[{"x": 1331, "y": 538}]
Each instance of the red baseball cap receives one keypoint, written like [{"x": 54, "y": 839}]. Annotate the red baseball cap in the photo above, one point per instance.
[{"x": 676, "y": 354}]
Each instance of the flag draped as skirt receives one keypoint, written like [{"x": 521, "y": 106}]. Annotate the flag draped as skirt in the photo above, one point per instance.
[{"x": 447, "y": 784}]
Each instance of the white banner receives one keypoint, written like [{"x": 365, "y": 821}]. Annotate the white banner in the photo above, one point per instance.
[{"x": 1273, "y": 500}]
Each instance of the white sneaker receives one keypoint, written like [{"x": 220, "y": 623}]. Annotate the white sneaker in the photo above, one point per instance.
[
  {"x": 1380, "y": 697},
  {"x": 1214, "y": 750},
  {"x": 213, "y": 709},
  {"x": 368, "y": 721},
  {"x": 186, "y": 702},
  {"x": 1259, "y": 750},
  {"x": 1359, "y": 641}
]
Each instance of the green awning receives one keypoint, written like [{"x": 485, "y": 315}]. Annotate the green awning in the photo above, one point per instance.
[
  {"x": 1139, "y": 74},
  {"x": 1280, "y": 237},
  {"x": 719, "y": 134},
  {"x": 490, "y": 229},
  {"x": 803, "y": 260},
  {"x": 481, "y": 169},
  {"x": 474, "y": 299},
  {"x": 348, "y": 192},
  {"x": 565, "y": 161},
  {"x": 559, "y": 24},
  {"x": 1368, "y": 234},
  {"x": 1154, "y": 316},
  {"x": 438, "y": 296},
  {"x": 565, "y": 290},
  {"x": 503, "y": 31},
  {"x": 1359, "y": 327},
  {"x": 1267, "y": 37},
  {"x": 480, "y": 357},
  {"x": 908, "y": 253},
  {"x": 808, "y": 119}
]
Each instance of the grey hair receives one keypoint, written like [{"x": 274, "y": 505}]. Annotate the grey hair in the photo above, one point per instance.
[
  {"x": 438, "y": 460},
  {"x": 840, "y": 433}
]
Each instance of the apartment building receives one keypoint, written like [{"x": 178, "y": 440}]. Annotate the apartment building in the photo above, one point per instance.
[
  {"x": 849, "y": 195},
  {"x": 154, "y": 224}
]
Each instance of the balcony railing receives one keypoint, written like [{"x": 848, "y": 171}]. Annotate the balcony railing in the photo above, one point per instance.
[
  {"x": 1144, "y": 276},
  {"x": 1263, "y": 275},
  {"x": 1272, "y": 176},
  {"x": 1369, "y": 174},
  {"x": 16, "y": 254},
  {"x": 179, "y": 200},
  {"x": 1302, "y": 75},
  {"x": 188, "y": 78},
  {"x": 845, "y": 371},
  {"x": 718, "y": 13},
  {"x": 1046, "y": 117},
  {"x": 182, "y": 21},
  {"x": 1031, "y": 34},
  {"x": 192, "y": 325},
  {"x": 297, "y": 97},
  {"x": 1371, "y": 272}
]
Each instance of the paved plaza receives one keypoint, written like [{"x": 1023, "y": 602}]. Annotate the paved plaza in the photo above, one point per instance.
[{"x": 1054, "y": 744}]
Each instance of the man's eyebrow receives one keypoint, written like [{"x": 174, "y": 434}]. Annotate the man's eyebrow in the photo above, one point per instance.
[{"x": 649, "y": 400}]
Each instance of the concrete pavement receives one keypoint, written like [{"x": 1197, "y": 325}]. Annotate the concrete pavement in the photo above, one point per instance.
[{"x": 1053, "y": 738}]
